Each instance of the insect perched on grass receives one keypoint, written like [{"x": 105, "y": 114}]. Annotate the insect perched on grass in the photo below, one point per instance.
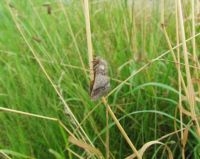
[{"x": 101, "y": 83}]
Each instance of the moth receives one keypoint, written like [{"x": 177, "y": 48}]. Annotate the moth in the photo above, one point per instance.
[{"x": 101, "y": 83}]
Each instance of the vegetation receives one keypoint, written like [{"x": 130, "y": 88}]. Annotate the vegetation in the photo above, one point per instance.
[{"x": 152, "y": 48}]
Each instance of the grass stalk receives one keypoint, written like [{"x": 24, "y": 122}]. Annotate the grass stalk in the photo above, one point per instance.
[
  {"x": 195, "y": 59},
  {"x": 4, "y": 155},
  {"x": 193, "y": 31},
  {"x": 43, "y": 117},
  {"x": 149, "y": 63},
  {"x": 174, "y": 58},
  {"x": 42, "y": 66},
  {"x": 191, "y": 93},
  {"x": 180, "y": 106},
  {"x": 107, "y": 135},
  {"x": 90, "y": 59},
  {"x": 162, "y": 11},
  {"x": 73, "y": 36},
  {"x": 37, "y": 116},
  {"x": 89, "y": 39},
  {"x": 72, "y": 116},
  {"x": 121, "y": 128}
]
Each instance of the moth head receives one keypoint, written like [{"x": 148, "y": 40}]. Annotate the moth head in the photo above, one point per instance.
[{"x": 100, "y": 66}]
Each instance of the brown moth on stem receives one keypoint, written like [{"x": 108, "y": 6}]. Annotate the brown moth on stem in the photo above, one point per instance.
[{"x": 101, "y": 83}]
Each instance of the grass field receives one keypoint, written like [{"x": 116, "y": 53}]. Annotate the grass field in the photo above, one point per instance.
[{"x": 152, "y": 50}]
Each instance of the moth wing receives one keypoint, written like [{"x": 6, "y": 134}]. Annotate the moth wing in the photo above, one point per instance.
[{"x": 100, "y": 86}]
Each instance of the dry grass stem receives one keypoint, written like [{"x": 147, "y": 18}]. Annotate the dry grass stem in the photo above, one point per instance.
[
  {"x": 149, "y": 63},
  {"x": 48, "y": 77},
  {"x": 90, "y": 59},
  {"x": 73, "y": 36},
  {"x": 121, "y": 128},
  {"x": 89, "y": 39},
  {"x": 37, "y": 116},
  {"x": 180, "y": 106},
  {"x": 191, "y": 93},
  {"x": 85, "y": 146},
  {"x": 107, "y": 134}
]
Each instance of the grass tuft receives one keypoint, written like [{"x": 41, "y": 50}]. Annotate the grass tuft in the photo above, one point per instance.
[{"x": 46, "y": 54}]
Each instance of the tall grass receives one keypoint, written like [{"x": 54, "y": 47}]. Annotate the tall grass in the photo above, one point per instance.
[{"x": 152, "y": 51}]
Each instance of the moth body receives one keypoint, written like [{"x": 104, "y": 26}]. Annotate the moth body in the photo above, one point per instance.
[{"x": 101, "y": 83}]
